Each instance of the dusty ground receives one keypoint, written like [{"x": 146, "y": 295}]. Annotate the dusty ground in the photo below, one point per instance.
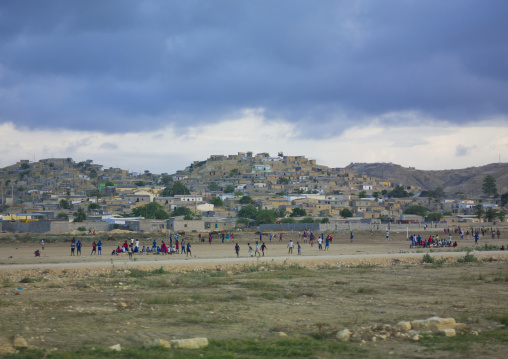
[{"x": 69, "y": 302}]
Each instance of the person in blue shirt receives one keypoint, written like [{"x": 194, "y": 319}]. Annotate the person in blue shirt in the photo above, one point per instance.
[
  {"x": 78, "y": 248},
  {"x": 99, "y": 247}
]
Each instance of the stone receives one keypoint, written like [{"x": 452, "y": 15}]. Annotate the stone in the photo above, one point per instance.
[
  {"x": 157, "y": 343},
  {"x": 437, "y": 324},
  {"x": 281, "y": 334},
  {"x": 123, "y": 305},
  {"x": 416, "y": 337},
  {"x": 194, "y": 343},
  {"x": 419, "y": 325},
  {"x": 447, "y": 332},
  {"x": 116, "y": 347},
  {"x": 403, "y": 326},
  {"x": 19, "y": 342},
  {"x": 344, "y": 335},
  {"x": 461, "y": 326}
]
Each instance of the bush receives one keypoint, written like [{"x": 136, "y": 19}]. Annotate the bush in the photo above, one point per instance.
[
  {"x": 81, "y": 229},
  {"x": 427, "y": 258},
  {"x": 468, "y": 258}
]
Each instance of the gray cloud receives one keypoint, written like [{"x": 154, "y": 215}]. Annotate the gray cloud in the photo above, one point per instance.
[
  {"x": 108, "y": 146},
  {"x": 462, "y": 151},
  {"x": 120, "y": 66}
]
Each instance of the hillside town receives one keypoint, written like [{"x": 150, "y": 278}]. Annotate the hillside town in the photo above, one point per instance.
[{"x": 222, "y": 193}]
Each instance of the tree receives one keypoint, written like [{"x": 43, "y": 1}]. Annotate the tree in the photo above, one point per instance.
[
  {"x": 233, "y": 172},
  {"x": 346, "y": 213},
  {"x": 152, "y": 210},
  {"x": 243, "y": 221},
  {"x": 109, "y": 184},
  {"x": 25, "y": 166},
  {"x": 282, "y": 211},
  {"x": 288, "y": 220},
  {"x": 489, "y": 186},
  {"x": 307, "y": 220},
  {"x": 248, "y": 211},
  {"x": 490, "y": 214},
  {"x": 213, "y": 187},
  {"x": 139, "y": 183},
  {"x": 246, "y": 200},
  {"x": 325, "y": 220},
  {"x": 280, "y": 154},
  {"x": 298, "y": 212},
  {"x": 384, "y": 192},
  {"x": 64, "y": 204},
  {"x": 62, "y": 215},
  {"x": 501, "y": 215},
  {"x": 478, "y": 211},
  {"x": 266, "y": 216},
  {"x": 416, "y": 209},
  {"x": 376, "y": 195},
  {"x": 362, "y": 194},
  {"x": 238, "y": 194},
  {"x": 93, "y": 206},
  {"x": 229, "y": 189},
  {"x": 166, "y": 180},
  {"x": 434, "y": 216},
  {"x": 398, "y": 192},
  {"x": 181, "y": 211},
  {"x": 217, "y": 202},
  {"x": 504, "y": 199},
  {"x": 283, "y": 180},
  {"x": 178, "y": 188},
  {"x": 80, "y": 215}
]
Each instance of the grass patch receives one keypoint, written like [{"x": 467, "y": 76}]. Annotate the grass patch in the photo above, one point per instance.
[
  {"x": 365, "y": 290},
  {"x": 501, "y": 318},
  {"x": 427, "y": 258},
  {"x": 463, "y": 343},
  {"x": 468, "y": 258},
  {"x": 163, "y": 300}
]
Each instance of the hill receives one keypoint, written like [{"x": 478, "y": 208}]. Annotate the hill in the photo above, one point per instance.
[{"x": 468, "y": 180}]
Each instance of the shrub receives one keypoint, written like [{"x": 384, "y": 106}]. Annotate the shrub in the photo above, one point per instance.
[
  {"x": 81, "y": 229},
  {"x": 468, "y": 258},
  {"x": 427, "y": 258}
]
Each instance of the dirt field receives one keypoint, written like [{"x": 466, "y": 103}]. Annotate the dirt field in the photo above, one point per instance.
[{"x": 64, "y": 302}]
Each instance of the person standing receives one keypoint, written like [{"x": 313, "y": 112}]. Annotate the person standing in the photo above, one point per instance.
[
  {"x": 320, "y": 243},
  {"x": 299, "y": 248},
  {"x": 387, "y": 235},
  {"x": 42, "y": 243},
  {"x": 78, "y": 248},
  {"x": 94, "y": 248},
  {"x": 73, "y": 247},
  {"x": 188, "y": 249},
  {"x": 351, "y": 237},
  {"x": 237, "y": 250},
  {"x": 290, "y": 246},
  {"x": 183, "y": 246},
  {"x": 136, "y": 248},
  {"x": 257, "y": 250},
  {"x": 327, "y": 243},
  {"x": 250, "y": 249},
  {"x": 99, "y": 247},
  {"x": 263, "y": 247}
]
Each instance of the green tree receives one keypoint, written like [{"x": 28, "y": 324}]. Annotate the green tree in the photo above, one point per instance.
[
  {"x": 501, "y": 215},
  {"x": 166, "y": 180},
  {"x": 362, "y": 194},
  {"x": 346, "y": 212},
  {"x": 139, "y": 183},
  {"x": 213, "y": 187},
  {"x": 229, "y": 189},
  {"x": 152, "y": 210},
  {"x": 109, "y": 184},
  {"x": 298, "y": 212},
  {"x": 416, "y": 209},
  {"x": 434, "y": 216},
  {"x": 246, "y": 200},
  {"x": 325, "y": 220},
  {"x": 25, "y": 166},
  {"x": 384, "y": 192},
  {"x": 504, "y": 199},
  {"x": 178, "y": 188},
  {"x": 490, "y": 214},
  {"x": 62, "y": 215},
  {"x": 282, "y": 211},
  {"x": 266, "y": 216},
  {"x": 398, "y": 192},
  {"x": 489, "y": 186},
  {"x": 181, "y": 211},
  {"x": 283, "y": 180},
  {"x": 64, "y": 204},
  {"x": 307, "y": 220},
  {"x": 80, "y": 215},
  {"x": 94, "y": 193},
  {"x": 93, "y": 206},
  {"x": 243, "y": 220},
  {"x": 233, "y": 172},
  {"x": 288, "y": 220},
  {"x": 248, "y": 211},
  {"x": 478, "y": 211},
  {"x": 237, "y": 193},
  {"x": 217, "y": 202}
]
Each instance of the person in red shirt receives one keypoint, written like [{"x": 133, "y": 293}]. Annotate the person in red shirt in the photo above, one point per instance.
[{"x": 94, "y": 248}]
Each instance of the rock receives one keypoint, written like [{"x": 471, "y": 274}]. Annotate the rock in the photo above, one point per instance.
[
  {"x": 419, "y": 324},
  {"x": 123, "y": 305},
  {"x": 461, "y": 326},
  {"x": 116, "y": 347},
  {"x": 194, "y": 343},
  {"x": 416, "y": 337},
  {"x": 373, "y": 339},
  {"x": 403, "y": 326},
  {"x": 6, "y": 347},
  {"x": 447, "y": 332},
  {"x": 19, "y": 342},
  {"x": 157, "y": 343},
  {"x": 281, "y": 334},
  {"x": 383, "y": 337},
  {"x": 437, "y": 324},
  {"x": 344, "y": 335}
]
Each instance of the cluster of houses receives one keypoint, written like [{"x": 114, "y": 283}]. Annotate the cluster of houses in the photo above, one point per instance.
[{"x": 44, "y": 196}]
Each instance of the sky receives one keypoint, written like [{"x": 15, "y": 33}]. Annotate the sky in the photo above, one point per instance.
[{"x": 155, "y": 85}]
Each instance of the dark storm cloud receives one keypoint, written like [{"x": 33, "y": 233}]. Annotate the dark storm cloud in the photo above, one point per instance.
[{"x": 128, "y": 65}]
